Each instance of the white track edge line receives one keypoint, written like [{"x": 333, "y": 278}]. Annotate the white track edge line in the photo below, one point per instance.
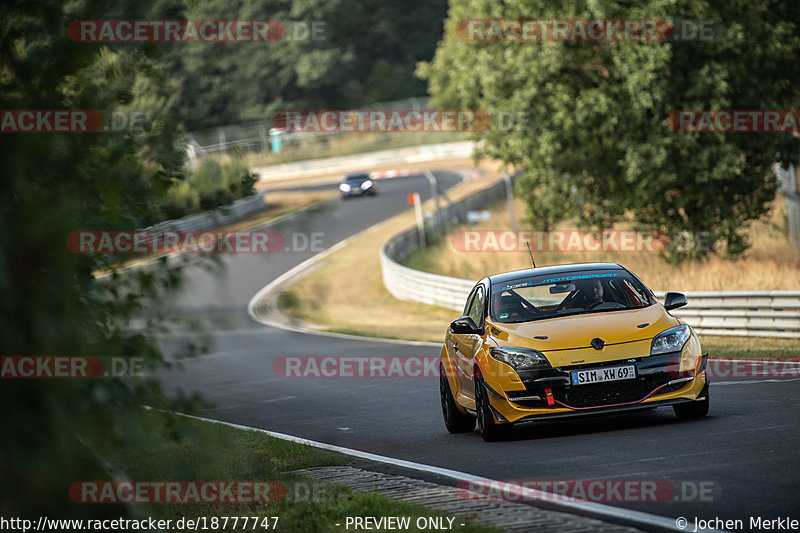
[{"x": 570, "y": 505}]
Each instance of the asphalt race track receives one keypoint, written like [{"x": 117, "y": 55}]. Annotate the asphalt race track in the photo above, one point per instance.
[{"x": 746, "y": 453}]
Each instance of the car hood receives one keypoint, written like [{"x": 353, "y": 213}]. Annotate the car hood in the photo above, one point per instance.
[{"x": 567, "y": 340}]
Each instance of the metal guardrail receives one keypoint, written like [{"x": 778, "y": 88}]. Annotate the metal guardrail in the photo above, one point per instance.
[
  {"x": 215, "y": 218},
  {"x": 743, "y": 313},
  {"x": 370, "y": 160},
  {"x": 730, "y": 313},
  {"x": 255, "y": 136}
]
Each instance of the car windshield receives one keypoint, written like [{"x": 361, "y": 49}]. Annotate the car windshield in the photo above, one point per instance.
[
  {"x": 540, "y": 297},
  {"x": 357, "y": 177}
]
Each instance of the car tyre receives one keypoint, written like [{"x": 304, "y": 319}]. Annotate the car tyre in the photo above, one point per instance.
[
  {"x": 692, "y": 410},
  {"x": 489, "y": 429},
  {"x": 454, "y": 420}
]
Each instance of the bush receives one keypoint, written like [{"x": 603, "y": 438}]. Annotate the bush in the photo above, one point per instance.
[{"x": 213, "y": 184}]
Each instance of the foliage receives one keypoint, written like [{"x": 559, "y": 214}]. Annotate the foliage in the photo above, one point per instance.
[
  {"x": 597, "y": 145},
  {"x": 213, "y": 184},
  {"x": 367, "y": 53},
  {"x": 53, "y": 305}
]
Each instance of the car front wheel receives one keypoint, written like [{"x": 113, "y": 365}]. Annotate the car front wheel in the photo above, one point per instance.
[{"x": 489, "y": 429}]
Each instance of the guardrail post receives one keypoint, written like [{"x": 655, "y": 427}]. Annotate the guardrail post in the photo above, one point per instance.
[
  {"x": 787, "y": 185},
  {"x": 435, "y": 196},
  {"x": 420, "y": 219}
]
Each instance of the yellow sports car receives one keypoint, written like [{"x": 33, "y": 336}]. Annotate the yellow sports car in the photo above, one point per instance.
[{"x": 567, "y": 340}]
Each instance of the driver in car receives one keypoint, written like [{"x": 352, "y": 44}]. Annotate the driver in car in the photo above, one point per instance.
[
  {"x": 593, "y": 293},
  {"x": 589, "y": 293}
]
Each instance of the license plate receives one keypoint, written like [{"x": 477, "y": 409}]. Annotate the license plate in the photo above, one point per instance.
[{"x": 599, "y": 375}]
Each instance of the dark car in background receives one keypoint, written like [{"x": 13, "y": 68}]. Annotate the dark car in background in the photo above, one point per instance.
[{"x": 357, "y": 184}]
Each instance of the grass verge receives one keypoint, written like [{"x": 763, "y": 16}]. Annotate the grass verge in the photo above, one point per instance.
[
  {"x": 180, "y": 449},
  {"x": 750, "y": 347}
]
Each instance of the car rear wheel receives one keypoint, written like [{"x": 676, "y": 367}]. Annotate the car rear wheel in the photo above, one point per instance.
[
  {"x": 692, "y": 410},
  {"x": 489, "y": 429},
  {"x": 454, "y": 421}
]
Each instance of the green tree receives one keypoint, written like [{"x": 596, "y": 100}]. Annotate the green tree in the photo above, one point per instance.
[
  {"x": 597, "y": 145},
  {"x": 367, "y": 52},
  {"x": 59, "y": 431}
]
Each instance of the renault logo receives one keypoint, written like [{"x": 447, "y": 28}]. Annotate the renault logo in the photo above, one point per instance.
[{"x": 598, "y": 343}]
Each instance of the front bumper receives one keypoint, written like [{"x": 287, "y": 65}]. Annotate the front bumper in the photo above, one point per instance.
[
  {"x": 358, "y": 191},
  {"x": 549, "y": 394}
]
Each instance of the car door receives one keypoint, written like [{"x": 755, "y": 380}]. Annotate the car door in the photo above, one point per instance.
[
  {"x": 453, "y": 342},
  {"x": 466, "y": 345}
]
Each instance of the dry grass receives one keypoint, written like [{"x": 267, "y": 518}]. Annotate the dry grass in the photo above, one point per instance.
[
  {"x": 750, "y": 347},
  {"x": 772, "y": 262}
]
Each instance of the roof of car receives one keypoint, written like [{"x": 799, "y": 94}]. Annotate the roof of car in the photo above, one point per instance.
[{"x": 550, "y": 270}]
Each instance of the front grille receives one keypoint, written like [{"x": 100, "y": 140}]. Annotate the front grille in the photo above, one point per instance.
[
  {"x": 613, "y": 392},
  {"x": 598, "y": 394},
  {"x": 652, "y": 372}
]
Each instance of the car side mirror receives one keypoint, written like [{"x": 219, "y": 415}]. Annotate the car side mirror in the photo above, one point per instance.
[
  {"x": 673, "y": 300},
  {"x": 465, "y": 325}
]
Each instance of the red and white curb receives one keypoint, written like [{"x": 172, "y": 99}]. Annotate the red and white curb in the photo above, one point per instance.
[{"x": 393, "y": 173}]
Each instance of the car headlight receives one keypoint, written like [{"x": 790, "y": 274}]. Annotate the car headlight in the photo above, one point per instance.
[
  {"x": 670, "y": 340},
  {"x": 366, "y": 185},
  {"x": 344, "y": 187},
  {"x": 520, "y": 358}
]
